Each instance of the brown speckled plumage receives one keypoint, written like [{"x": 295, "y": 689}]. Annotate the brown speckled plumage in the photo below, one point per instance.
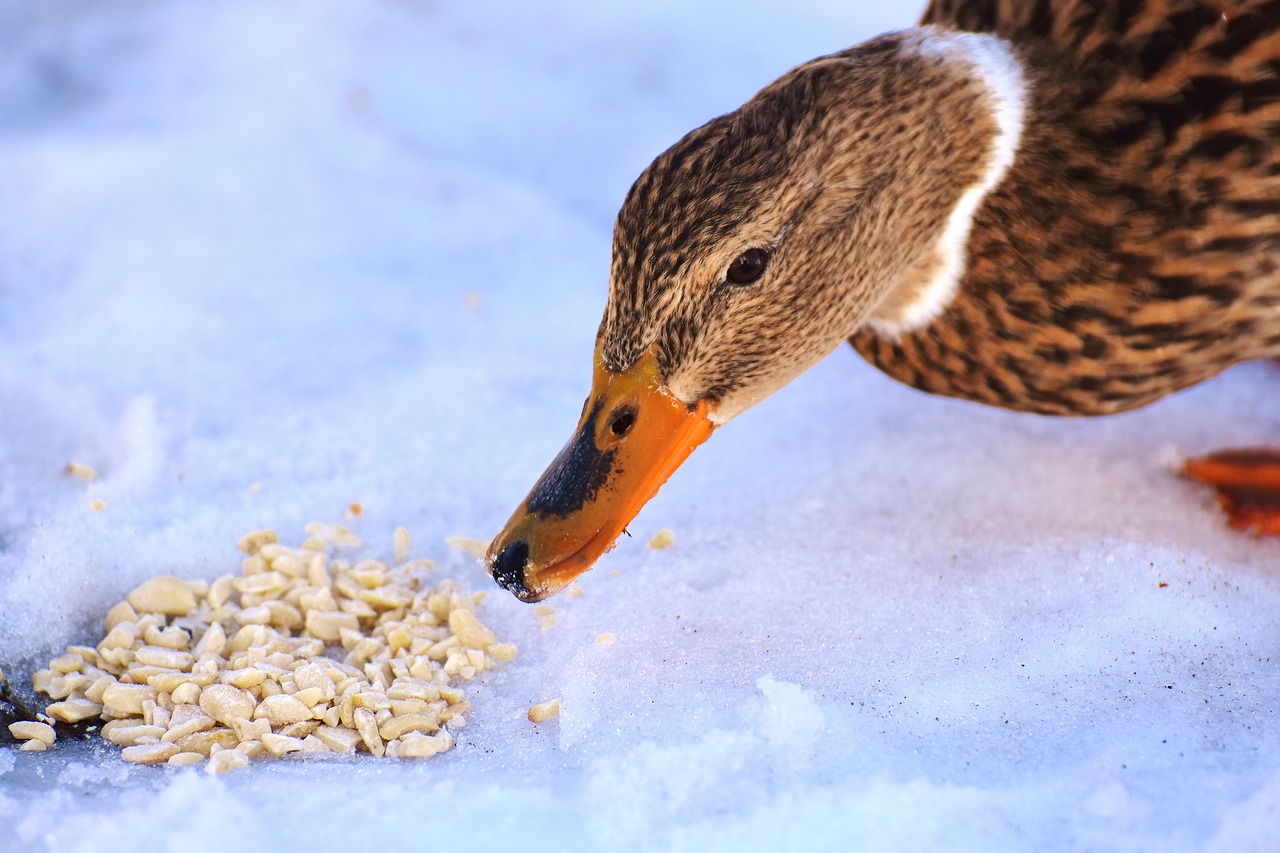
[{"x": 1132, "y": 249}]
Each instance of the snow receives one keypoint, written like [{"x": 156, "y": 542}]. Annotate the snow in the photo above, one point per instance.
[{"x": 241, "y": 246}]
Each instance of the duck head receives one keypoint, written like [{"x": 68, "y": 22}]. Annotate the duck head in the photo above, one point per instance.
[{"x": 742, "y": 256}]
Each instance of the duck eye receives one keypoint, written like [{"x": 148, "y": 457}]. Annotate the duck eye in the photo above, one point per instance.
[{"x": 748, "y": 266}]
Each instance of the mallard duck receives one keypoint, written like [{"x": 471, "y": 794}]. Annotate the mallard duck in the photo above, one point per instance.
[{"x": 1067, "y": 207}]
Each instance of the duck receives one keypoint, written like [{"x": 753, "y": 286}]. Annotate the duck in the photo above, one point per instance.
[{"x": 1061, "y": 207}]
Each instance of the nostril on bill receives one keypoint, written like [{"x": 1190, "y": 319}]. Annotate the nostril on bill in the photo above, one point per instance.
[
  {"x": 508, "y": 567},
  {"x": 622, "y": 422}
]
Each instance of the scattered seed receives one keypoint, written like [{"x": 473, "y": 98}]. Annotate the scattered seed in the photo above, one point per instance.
[{"x": 236, "y": 669}]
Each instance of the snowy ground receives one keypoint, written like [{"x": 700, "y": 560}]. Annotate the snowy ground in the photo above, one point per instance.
[{"x": 236, "y": 246}]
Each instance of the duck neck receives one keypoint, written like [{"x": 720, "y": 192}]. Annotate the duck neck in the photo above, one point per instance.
[{"x": 927, "y": 287}]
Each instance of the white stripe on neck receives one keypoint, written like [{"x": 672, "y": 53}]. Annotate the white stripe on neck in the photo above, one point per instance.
[{"x": 993, "y": 63}]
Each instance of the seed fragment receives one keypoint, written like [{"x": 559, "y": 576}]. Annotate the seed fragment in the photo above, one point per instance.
[
  {"x": 251, "y": 543},
  {"x": 367, "y": 726},
  {"x": 73, "y": 710},
  {"x": 163, "y": 657},
  {"x": 399, "y": 725},
  {"x": 282, "y": 709},
  {"x": 167, "y": 595},
  {"x": 225, "y": 702},
  {"x": 150, "y": 753},
  {"x": 187, "y": 720},
  {"x": 126, "y": 699},
  {"x": 327, "y": 624},
  {"x": 339, "y": 738},
  {"x": 281, "y": 744},
  {"x": 225, "y": 761},
  {"x": 469, "y": 630},
  {"x": 30, "y": 730}
]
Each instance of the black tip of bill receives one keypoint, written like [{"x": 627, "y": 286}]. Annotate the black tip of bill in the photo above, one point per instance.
[{"x": 508, "y": 569}]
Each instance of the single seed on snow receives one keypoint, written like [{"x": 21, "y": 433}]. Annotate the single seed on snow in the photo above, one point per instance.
[
  {"x": 97, "y": 504},
  {"x": 544, "y": 711},
  {"x": 81, "y": 471},
  {"x": 472, "y": 546},
  {"x": 401, "y": 538},
  {"x": 605, "y": 639},
  {"x": 664, "y": 538}
]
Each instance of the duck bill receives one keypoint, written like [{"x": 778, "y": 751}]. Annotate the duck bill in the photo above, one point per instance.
[{"x": 633, "y": 435}]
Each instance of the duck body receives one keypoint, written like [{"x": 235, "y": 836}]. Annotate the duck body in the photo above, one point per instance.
[
  {"x": 1133, "y": 248},
  {"x": 1059, "y": 206}
]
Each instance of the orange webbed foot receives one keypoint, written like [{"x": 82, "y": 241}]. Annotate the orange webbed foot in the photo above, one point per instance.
[{"x": 1248, "y": 483}]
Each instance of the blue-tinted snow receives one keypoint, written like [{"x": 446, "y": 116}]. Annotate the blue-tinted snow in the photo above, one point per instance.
[{"x": 236, "y": 246}]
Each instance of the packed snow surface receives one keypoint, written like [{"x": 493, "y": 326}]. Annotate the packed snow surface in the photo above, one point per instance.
[{"x": 261, "y": 260}]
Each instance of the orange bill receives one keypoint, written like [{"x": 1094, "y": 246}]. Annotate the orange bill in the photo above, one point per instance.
[{"x": 633, "y": 435}]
